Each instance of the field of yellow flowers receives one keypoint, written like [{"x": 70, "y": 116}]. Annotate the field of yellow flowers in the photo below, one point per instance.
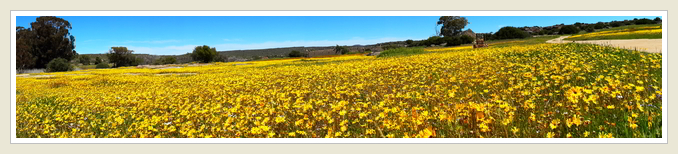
[
  {"x": 522, "y": 91},
  {"x": 630, "y": 33}
]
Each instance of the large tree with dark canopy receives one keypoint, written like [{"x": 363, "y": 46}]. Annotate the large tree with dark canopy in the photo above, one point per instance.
[
  {"x": 48, "y": 38},
  {"x": 120, "y": 56},
  {"x": 24, "y": 47},
  {"x": 452, "y": 25}
]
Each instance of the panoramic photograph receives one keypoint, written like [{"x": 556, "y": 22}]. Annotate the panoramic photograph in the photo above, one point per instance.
[{"x": 338, "y": 77}]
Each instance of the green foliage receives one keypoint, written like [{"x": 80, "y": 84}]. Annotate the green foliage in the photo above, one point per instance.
[
  {"x": 97, "y": 60},
  {"x": 657, "y": 19},
  {"x": 409, "y": 42},
  {"x": 120, "y": 56},
  {"x": 510, "y": 33},
  {"x": 296, "y": 53},
  {"x": 435, "y": 40},
  {"x": 84, "y": 59},
  {"x": 103, "y": 65},
  {"x": 59, "y": 65},
  {"x": 165, "y": 60},
  {"x": 48, "y": 38},
  {"x": 599, "y": 25},
  {"x": 569, "y": 29},
  {"x": 465, "y": 39},
  {"x": 644, "y": 21},
  {"x": 401, "y": 52},
  {"x": 341, "y": 50},
  {"x": 452, "y": 41},
  {"x": 204, "y": 54},
  {"x": 616, "y": 24},
  {"x": 589, "y": 29},
  {"x": 451, "y": 25}
]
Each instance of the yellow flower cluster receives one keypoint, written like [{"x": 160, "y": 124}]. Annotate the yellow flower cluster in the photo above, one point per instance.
[
  {"x": 543, "y": 90},
  {"x": 640, "y": 30}
]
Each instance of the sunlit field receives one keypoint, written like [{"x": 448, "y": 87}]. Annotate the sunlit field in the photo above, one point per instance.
[
  {"x": 517, "y": 91},
  {"x": 646, "y": 32}
]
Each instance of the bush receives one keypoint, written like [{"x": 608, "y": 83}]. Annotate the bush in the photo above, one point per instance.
[
  {"x": 389, "y": 46},
  {"x": 340, "y": 50},
  {"x": 589, "y": 29},
  {"x": 644, "y": 21},
  {"x": 204, "y": 54},
  {"x": 295, "y": 53},
  {"x": 452, "y": 41},
  {"x": 435, "y": 40},
  {"x": 103, "y": 65},
  {"x": 569, "y": 29},
  {"x": 616, "y": 24},
  {"x": 97, "y": 60},
  {"x": 84, "y": 59},
  {"x": 599, "y": 25},
  {"x": 59, "y": 65},
  {"x": 165, "y": 60},
  {"x": 465, "y": 39},
  {"x": 409, "y": 42},
  {"x": 510, "y": 33}
]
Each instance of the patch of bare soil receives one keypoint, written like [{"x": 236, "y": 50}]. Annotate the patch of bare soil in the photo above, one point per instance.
[{"x": 646, "y": 45}]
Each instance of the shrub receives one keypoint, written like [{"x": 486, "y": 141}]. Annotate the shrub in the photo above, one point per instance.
[
  {"x": 435, "y": 40},
  {"x": 465, "y": 39},
  {"x": 452, "y": 41},
  {"x": 409, "y": 42},
  {"x": 166, "y": 60},
  {"x": 59, "y": 65},
  {"x": 84, "y": 59},
  {"x": 569, "y": 29},
  {"x": 599, "y": 25},
  {"x": 510, "y": 33},
  {"x": 644, "y": 21},
  {"x": 589, "y": 29},
  {"x": 103, "y": 65},
  {"x": 341, "y": 50},
  {"x": 295, "y": 53},
  {"x": 97, "y": 60},
  {"x": 616, "y": 24},
  {"x": 204, "y": 54}
]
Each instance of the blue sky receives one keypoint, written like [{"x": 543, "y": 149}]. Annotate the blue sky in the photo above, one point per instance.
[{"x": 167, "y": 35}]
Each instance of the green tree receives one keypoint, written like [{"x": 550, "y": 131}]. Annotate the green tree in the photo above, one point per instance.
[
  {"x": 657, "y": 19},
  {"x": 341, "y": 50},
  {"x": 120, "y": 56},
  {"x": 295, "y": 53},
  {"x": 409, "y": 42},
  {"x": 24, "y": 49},
  {"x": 451, "y": 25},
  {"x": 510, "y": 33},
  {"x": 569, "y": 29},
  {"x": 84, "y": 59},
  {"x": 435, "y": 40},
  {"x": 599, "y": 25},
  {"x": 204, "y": 54},
  {"x": 97, "y": 60},
  {"x": 58, "y": 65},
  {"x": 465, "y": 39},
  {"x": 50, "y": 38}
]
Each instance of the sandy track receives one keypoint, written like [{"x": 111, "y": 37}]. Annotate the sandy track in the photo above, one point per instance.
[{"x": 647, "y": 45}]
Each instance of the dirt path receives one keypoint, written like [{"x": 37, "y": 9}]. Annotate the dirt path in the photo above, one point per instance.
[{"x": 647, "y": 45}]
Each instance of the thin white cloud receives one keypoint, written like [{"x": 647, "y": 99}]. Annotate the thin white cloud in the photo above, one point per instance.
[
  {"x": 278, "y": 44},
  {"x": 182, "y": 49}
]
